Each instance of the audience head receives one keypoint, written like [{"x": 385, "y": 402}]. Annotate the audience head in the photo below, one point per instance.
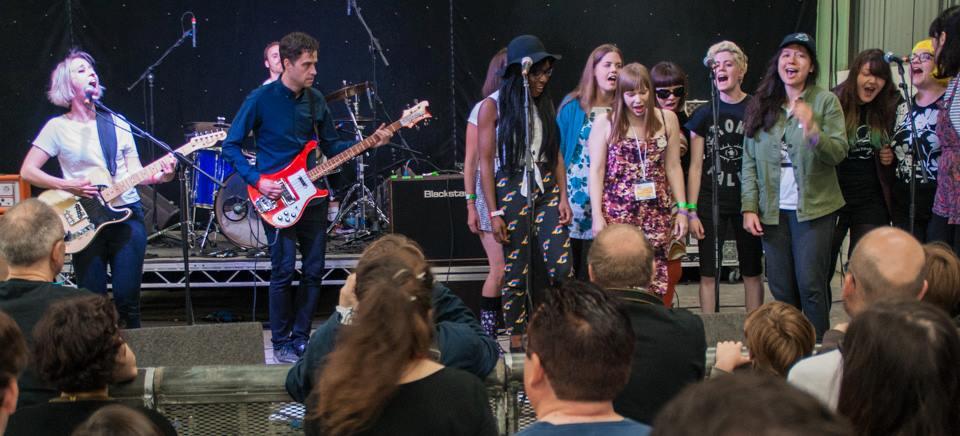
[
  {"x": 401, "y": 247},
  {"x": 117, "y": 420},
  {"x": 493, "y": 80},
  {"x": 78, "y": 348},
  {"x": 778, "y": 335},
  {"x": 620, "y": 257},
  {"x": 886, "y": 264},
  {"x": 392, "y": 328},
  {"x": 900, "y": 371},
  {"x": 743, "y": 404},
  {"x": 943, "y": 278},
  {"x": 670, "y": 86},
  {"x": 13, "y": 359},
  {"x": 579, "y": 346},
  {"x": 31, "y": 238}
]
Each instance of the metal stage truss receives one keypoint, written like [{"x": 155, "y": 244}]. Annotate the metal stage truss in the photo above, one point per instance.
[{"x": 238, "y": 272}]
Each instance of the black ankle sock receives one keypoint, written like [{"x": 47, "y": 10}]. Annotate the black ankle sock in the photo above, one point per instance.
[{"x": 490, "y": 303}]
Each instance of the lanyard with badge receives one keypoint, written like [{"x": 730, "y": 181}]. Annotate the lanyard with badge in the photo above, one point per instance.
[{"x": 644, "y": 189}]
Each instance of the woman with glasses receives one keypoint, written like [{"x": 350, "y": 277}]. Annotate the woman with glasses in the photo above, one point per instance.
[
  {"x": 945, "y": 222},
  {"x": 594, "y": 95},
  {"x": 635, "y": 175},
  {"x": 670, "y": 89},
  {"x": 501, "y": 130},
  {"x": 925, "y": 110},
  {"x": 794, "y": 137}
]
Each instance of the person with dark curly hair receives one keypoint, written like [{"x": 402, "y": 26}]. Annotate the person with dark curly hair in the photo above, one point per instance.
[
  {"x": 78, "y": 349},
  {"x": 117, "y": 419},
  {"x": 13, "y": 359}
]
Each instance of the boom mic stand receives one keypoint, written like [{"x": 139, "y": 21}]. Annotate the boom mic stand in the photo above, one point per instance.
[
  {"x": 912, "y": 151},
  {"x": 184, "y": 164},
  {"x": 149, "y": 76}
]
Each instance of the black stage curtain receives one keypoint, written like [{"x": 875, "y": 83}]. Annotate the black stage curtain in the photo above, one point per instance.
[{"x": 438, "y": 51}]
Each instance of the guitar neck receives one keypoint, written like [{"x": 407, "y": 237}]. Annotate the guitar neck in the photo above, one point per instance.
[
  {"x": 334, "y": 162},
  {"x": 138, "y": 177}
]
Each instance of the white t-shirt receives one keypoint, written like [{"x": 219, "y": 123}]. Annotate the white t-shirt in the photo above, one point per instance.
[
  {"x": 819, "y": 376},
  {"x": 475, "y": 112},
  {"x": 789, "y": 192},
  {"x": 76, "y": 145}
]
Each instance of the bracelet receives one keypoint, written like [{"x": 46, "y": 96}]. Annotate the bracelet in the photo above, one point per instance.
[
  {"x": 470, "y": 196},
  {"x": 689, "y": 215},
  {"x": 496, "y": 213},
  {"x": 688, "y": 206}
]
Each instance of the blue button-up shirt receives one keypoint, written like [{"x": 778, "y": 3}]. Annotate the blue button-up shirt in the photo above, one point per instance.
[{"x": 281, "y": 125}]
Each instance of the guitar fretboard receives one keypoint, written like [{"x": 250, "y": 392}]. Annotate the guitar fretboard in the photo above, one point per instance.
[{"x": 334, "y": 162}]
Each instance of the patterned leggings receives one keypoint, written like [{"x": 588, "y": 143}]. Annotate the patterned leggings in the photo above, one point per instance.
[{"x": 551, "y": 238}]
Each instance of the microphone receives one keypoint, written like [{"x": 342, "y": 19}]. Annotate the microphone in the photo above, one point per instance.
[
  {"x": 88, "y": 92},
  {"x": 889, "y": 57},
  {"x": 193, "y": 30},
  {"x": 709, "y": 63},
  {"x": 525, "y": 65}
]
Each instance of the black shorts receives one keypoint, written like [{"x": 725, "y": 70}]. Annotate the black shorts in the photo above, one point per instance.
[{"x": 749, "y": 248}]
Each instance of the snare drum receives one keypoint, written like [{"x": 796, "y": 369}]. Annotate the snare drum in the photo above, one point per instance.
[{"x": 204, "y": 190}]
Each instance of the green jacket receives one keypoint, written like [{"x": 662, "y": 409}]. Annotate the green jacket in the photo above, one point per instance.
[{"x": 814, "y": 165}]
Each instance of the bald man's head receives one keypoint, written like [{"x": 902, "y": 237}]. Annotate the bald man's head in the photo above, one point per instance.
[
  {"x": 621, "y": 257},
  {"x": 887, "y": 264},
  {"x": 28, "y": 233}
]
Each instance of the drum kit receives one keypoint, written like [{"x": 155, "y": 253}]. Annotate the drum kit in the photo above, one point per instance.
[{"x": 222, "y": 207}]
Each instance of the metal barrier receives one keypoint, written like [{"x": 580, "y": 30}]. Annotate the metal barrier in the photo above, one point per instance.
[{"x": 252, "y": 400}]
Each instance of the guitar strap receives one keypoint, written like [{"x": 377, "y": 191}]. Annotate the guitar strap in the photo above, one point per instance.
[
  {"x": 108, "y": 141},
  {"x": 318, "y": 158}
]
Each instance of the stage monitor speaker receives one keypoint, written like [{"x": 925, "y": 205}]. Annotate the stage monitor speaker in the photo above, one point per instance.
[
  {"x": 166, "y": 208},
  {"x": 432, "y": 211}
]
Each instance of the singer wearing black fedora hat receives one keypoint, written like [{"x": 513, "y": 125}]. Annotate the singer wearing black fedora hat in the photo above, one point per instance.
[{"x": 502, "y": 133}]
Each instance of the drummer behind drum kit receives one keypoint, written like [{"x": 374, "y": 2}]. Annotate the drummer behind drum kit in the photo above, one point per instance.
[{"x": 228, "y": 211}]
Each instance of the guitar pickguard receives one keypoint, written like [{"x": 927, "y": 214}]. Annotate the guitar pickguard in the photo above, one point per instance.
[{"x": 297, "y": 191}]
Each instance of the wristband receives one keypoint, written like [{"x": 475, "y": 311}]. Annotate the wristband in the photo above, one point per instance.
[
  {"x": 690, "y": 215},
  {"x": 470, "y": 196},
  {"x": 691, "y": 206},
  {"x": 496, "y": 213}
]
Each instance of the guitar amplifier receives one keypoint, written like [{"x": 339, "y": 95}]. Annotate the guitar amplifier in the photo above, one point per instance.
[
  {"x": 432, "y": 211},
  {"x": 13, "y": 190}
]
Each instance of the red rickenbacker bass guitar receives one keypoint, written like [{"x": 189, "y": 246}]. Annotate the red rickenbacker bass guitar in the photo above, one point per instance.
[{"x": 297, "y": 182}]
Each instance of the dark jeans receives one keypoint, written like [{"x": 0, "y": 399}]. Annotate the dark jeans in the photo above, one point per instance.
[
  {"x": 923, "y": 211},
  {"x": 579, "y": 251},
  {"x": 291, "y": 309},
  {"x": 939, "y": 229},
  {"x": 798, "y": 264},
  {"x": 122, "y": 246}
]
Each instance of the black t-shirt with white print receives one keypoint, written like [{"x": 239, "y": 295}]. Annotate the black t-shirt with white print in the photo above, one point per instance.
[
  {"x": 857, "y": 174},
  {"x": 730, "y": 142}
]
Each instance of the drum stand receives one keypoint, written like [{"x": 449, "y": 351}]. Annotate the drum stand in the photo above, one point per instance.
[{"x": 364, "y": 197}]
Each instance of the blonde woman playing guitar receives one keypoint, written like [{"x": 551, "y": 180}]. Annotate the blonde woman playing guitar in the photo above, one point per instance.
[{"x": 86, "y": 143}]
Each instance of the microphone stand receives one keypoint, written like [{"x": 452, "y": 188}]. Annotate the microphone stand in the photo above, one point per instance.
[
  {"x": 912, "y": 151},
  {"x": 715, "y": 195},
  {"x": 184, "y": 163},
  {"x": 149, "y": 75},
  {"x": 529, "y": 176}
]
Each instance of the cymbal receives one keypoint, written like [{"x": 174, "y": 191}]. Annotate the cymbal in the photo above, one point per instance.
[
  {"x": 347, "y": 91},
  {"x": 360, "y": 120}
]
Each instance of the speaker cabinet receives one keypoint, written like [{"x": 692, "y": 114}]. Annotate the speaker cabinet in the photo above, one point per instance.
[{"x": 432, "y": 211}]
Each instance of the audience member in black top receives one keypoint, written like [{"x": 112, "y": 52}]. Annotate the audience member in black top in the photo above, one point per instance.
[
  {"x": 31, "y": 240},
  {"x": 670, "y": 344},
  {"x": 117, "y": 420},
  {"x": 943, "y": 278},
  {"x": 777, "y": 335},
  {"x": 869, "y": 99},
  {"x": 380, "y": 379},
  {"x": 900, "y": 372},
  {"x": 13, "y": 358},
  {"x": 78, "y": 349},
  {"x": 459, "y": 339},
  {"x": 579, "y": 346},
  {"x": 748, "y": 404}
]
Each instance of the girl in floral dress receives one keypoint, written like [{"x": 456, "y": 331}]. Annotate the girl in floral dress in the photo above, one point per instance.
[{"x": 635, "y": 173}]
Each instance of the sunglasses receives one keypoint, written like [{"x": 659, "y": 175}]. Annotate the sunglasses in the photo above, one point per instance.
[
  {"x": 678, "y": 92},
  {"x": 921, "y": 57}
]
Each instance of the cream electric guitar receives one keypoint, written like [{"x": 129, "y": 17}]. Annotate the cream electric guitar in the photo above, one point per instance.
[{"x": 84, "y": 217}]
